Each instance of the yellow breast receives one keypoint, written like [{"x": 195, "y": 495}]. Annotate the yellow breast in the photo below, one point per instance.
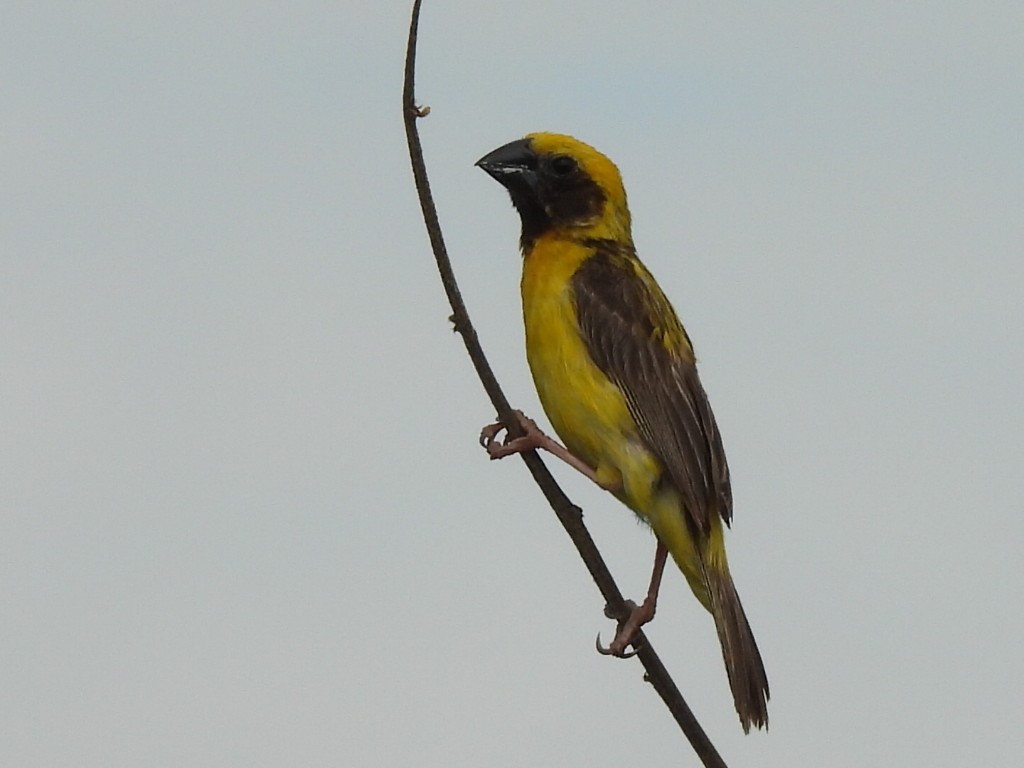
[{"x": 586, "y": 409}]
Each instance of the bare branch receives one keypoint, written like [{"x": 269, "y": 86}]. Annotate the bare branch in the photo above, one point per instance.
[{"x": 569, "y": 515}]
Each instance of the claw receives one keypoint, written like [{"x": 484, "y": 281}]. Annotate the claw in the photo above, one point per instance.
[
  {"x": 497, "y": 449},
  {"x": 531, "y": 439},
  {"x": 627, "y": 632},
  {"x": 489, "y": 434},
  {"x": 617, "y": 654}
]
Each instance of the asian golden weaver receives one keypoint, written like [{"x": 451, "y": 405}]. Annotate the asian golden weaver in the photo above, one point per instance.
[{"x": 617, "y": 377}]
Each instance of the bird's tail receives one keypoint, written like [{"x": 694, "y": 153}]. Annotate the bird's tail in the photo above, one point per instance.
[{"x": 743, "y": 663}]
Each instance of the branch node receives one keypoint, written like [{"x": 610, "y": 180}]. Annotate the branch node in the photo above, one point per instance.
[{"x": 458, "y": 324}]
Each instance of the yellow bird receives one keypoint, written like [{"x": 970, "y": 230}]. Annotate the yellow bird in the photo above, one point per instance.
[{"x": 617, "y": 377}]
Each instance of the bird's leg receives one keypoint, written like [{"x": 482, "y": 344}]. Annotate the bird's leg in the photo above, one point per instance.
[
  {"x": 533, "y": 438},
  {"x": 638, "y": 614}
]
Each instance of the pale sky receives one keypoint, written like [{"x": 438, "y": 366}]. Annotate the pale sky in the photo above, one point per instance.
[{"x": 244, "y": 520}]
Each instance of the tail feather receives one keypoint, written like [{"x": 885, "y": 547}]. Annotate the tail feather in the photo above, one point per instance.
[{"x": 747, "y": 677}]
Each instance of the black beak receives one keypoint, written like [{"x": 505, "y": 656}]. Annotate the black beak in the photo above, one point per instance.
[{"x": 513, "y": 163}]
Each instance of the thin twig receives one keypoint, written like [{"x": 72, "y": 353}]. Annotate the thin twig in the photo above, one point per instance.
[{"x": 569, "y": 515}]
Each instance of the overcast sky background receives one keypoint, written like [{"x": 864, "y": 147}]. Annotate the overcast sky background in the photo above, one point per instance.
[{"x": 243, "y": 517}]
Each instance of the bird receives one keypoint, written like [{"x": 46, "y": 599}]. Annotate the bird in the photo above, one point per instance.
[{"x": 616, "y": 375}]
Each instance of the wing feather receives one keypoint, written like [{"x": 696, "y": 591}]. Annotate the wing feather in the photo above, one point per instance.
[{"x": 635, "y": 338}]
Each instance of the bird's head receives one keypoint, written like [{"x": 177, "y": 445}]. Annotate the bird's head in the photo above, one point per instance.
[{"x": 561, "y": 185}]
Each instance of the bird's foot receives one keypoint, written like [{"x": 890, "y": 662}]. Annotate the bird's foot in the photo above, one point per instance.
[
  {"x": 628, "y": 629},
  {"x": 531, "y": 439}
]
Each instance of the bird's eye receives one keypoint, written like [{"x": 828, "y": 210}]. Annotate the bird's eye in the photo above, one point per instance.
[{"x": 563, "y": 165}]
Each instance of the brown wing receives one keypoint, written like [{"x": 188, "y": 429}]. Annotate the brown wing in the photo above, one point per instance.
[{"x": 635, "y": 338}]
